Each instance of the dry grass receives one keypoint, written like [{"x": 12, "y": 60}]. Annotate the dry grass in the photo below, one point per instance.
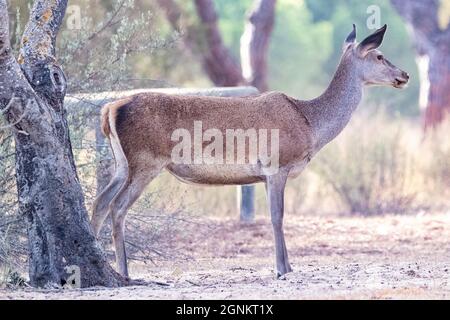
[
  {"x": 374, "y": 167},
  {"x": 436, "y": 155}
]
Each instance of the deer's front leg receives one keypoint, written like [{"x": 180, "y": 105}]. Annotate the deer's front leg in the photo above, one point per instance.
[{"x": 275, "y": 196}]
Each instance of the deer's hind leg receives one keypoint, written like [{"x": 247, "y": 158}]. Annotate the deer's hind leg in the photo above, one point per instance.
[
  {"x": 102, "y": 202},
  {"x": 138, "y": 179}
]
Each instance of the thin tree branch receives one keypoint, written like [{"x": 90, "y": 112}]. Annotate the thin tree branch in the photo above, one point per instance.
[
  {"x": 108, "y": 23},
  {"x": 7, "y": 223},
  {"x": 174, "y": 16},
  {"x": 10, "y": 103},
  {"x": 18, "y": 120}
]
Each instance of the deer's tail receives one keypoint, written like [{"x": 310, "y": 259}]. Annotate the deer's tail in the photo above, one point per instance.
[
  {"x": 108, "y": 113},
  {"x": 108, "y": 123},
  {"x": 106, "y": 129}
]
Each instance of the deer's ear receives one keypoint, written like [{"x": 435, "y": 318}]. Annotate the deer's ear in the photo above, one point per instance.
[
  {"x": 351, "y": 39},
  {"x": 372, "y": 42}
]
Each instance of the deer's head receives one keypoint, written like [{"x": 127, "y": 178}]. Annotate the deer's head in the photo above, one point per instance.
[{"x": 370, "y": 63}]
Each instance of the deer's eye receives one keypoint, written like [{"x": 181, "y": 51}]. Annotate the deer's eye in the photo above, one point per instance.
[{"x": 380, "y": 57}]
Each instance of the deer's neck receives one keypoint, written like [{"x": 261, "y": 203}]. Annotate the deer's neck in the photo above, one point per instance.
[{"x": 330, "y": 113}]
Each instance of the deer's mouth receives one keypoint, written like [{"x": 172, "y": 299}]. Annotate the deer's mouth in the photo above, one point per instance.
[{"x": 400, "y": 83}]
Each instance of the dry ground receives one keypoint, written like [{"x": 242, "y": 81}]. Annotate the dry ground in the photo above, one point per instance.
[{"x": 390, "y": 257}]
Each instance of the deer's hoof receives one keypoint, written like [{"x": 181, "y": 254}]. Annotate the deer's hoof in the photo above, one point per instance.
[{"x": 281, "y": 276}]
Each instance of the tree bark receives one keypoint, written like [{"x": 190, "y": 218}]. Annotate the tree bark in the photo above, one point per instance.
[
  {"x": 255, "y": 43},
  {"x": 438, "y": 104},
  {"x": 433, "y": 49},
  {"x": 50, "y": 196}
]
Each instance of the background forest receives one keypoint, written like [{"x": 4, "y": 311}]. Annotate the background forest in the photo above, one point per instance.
[{"x": 304, "y": 48}]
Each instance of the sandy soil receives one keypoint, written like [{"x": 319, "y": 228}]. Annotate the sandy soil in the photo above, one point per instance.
[{"x": 391, "y": 257}]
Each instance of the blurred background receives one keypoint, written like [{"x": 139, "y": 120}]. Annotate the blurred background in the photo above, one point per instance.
[{"x": 394, "y": 158}]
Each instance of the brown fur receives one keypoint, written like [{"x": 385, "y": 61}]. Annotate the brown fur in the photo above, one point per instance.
[
  {"x": 140, "y": 130},
  {"x": 145, "y": 125}
]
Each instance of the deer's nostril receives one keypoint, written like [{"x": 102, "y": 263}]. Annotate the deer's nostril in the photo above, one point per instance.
[{"x": 405, "y": 75}]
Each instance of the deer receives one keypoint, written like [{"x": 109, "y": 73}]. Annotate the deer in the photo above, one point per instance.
[{"x": 139, "y": 129}]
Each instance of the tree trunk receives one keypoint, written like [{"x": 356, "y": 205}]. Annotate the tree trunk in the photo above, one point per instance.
[
  {"x": 255, "y": 43},
  {"x": 433, "y": 49},
  {"x": 50, "y": 196},
  {"x": 438, "y": 104},
  {"x": 218, "y": 61}
]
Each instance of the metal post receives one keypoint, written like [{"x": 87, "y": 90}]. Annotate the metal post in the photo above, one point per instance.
[{"x": 246, "y": 203}]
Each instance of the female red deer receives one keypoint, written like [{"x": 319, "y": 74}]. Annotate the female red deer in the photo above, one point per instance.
[{"x": 140, "y": 130}]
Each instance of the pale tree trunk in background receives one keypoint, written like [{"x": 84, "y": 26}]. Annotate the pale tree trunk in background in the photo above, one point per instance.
[
  {"x": 221, "y": 66},
  {"x": 50, "y": 196},
  {"x": 254, "y": 49},
  {"x": 255, "y": 43},
  {"x": 432, "y": 41}
]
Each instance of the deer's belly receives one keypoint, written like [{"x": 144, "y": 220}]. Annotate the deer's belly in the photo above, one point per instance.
[
  {"x": 217, "y": 174},
  {"x": 298, "y": 168}
]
